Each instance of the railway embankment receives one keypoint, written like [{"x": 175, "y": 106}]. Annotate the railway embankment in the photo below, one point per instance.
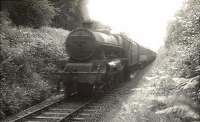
[
  {"x": 167, "y": 91},
  {"x": 170, "y": 90},
  {"x": 29, "y": 50},
  {"x": 28, "y": 59}
]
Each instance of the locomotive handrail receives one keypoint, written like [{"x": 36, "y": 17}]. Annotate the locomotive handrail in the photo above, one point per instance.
[
  {"x": 79, "y": 72},
  {"x": 105, "y": 60}
]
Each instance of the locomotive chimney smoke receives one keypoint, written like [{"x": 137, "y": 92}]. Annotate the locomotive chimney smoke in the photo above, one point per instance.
[
  {"x": 84, "y": 10},
  {"x": 87, "y": 24}
]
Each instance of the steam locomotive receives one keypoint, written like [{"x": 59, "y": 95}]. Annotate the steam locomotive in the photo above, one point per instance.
[{"x": 99, "y": 60}]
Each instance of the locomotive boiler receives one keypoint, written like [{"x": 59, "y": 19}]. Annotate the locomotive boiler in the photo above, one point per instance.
[{"x": 99, "y": 60}]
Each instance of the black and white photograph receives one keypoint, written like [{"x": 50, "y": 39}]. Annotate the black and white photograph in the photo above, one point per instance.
[{"x": 100, "y": 61}]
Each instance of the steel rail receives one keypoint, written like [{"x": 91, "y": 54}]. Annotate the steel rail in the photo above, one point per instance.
[
  {"x": 28, "y": 112},
  {"x": 75, "y": 111},
  {"x": 37, "y": 114}
]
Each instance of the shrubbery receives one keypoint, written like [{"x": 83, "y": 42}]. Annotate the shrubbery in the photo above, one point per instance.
[
  {"x": 185, "y": 29},
  {"x": 29, "y": 57},
  {"x": 184, "y": 33}
]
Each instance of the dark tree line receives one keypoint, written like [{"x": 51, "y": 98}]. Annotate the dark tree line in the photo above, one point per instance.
[
  {"x": 66, "y": 14},
  {"x": 70, "y": 15}
]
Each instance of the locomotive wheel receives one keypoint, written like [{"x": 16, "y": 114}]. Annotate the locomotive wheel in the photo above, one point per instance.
[
  {"x": 126, "y": 74},
  {"x": 67, "y": 89},
  {"x": 120, "y": 77},
  {"x": 85, "y": 89},
  {"x": 111, "y": 81}
]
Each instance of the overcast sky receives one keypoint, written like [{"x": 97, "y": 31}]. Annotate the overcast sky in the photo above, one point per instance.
[{"x": 144, "y": 20}]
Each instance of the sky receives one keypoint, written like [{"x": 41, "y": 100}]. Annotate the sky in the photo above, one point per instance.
[{"x": 145, "y": 21}]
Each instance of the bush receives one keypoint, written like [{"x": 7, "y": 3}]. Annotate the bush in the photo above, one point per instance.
[
  {"x": 185, "y": 29},
  {"x": 32, "y": 13},
  {"x": 28, "y": 60},
  {"x": 184, "y": 33}
]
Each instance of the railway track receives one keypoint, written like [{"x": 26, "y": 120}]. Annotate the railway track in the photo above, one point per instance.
[
  {"x": 60, "y": 110},
  {"x": 74, "y": 109}
]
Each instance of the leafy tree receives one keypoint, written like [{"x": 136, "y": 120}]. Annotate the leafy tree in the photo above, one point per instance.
[
  {"x": 33, "y": 13},
  {"x": 186, "y": 28},
  {"x": 71, "y": 13},
  {"x": 184, "y": 32}
]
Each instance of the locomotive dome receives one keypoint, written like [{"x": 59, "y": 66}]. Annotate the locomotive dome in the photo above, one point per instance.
[{"x": 80, "y": 44}]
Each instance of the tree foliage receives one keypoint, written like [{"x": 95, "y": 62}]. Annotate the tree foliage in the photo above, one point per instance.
[
  {"x": 32, "y": 13},
  {"x": 184, "y": 38},
  {"x": 70, "y": 15},
  {"x": 185, "y": 30},
  {"x": 67, "y": 14}
]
